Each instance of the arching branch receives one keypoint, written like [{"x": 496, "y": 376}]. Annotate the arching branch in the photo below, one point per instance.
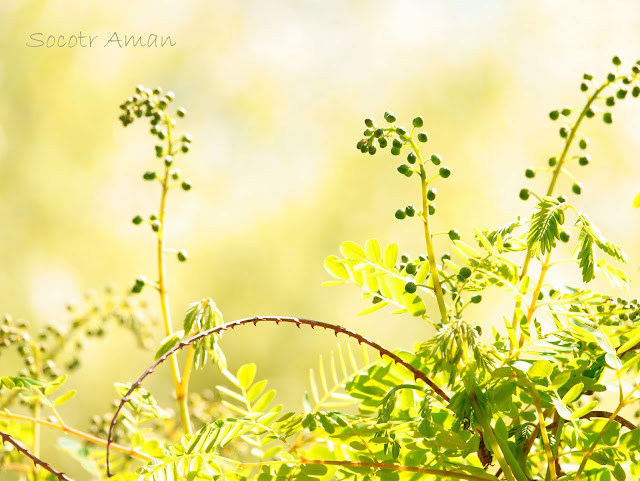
[
  {"x": 6, "y": 438},
  {"x": 417, "y": 374}
]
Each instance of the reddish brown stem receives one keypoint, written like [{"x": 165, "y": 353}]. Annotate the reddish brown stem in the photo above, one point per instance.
[
  {"x": 6, "y": 438},
  {"x": 417, "y": 374}
]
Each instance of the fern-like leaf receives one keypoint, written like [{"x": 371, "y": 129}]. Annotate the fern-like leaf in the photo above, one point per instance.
[
  {"x": 545, "y": 226},
  {"x": 590, "y": 237}
]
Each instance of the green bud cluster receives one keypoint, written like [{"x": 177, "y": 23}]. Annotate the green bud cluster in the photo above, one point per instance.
[
  {"x": 399, "y": 137},
  {"x": 616, "y": 87}
]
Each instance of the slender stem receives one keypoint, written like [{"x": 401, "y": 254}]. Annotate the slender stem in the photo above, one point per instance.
[
  {"x": 545, "y": 439},
  {"x": 35, "y": 459},
  {"x": 427, "y": 236},
  {"x": 79, "y": 434},
  {"x": 162, "y": 289},
  {"x": 558, "y": 168},
  {"x": 595, "y": 442},
  {"x": 37, "y": 407},
  {"x": 534, "y": 298},
  {"x": 186, "y": 374},
  {"x": 492, "y": 442}
]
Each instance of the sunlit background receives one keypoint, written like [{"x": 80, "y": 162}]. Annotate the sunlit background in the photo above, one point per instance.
[{"x": 276, "y": 93}]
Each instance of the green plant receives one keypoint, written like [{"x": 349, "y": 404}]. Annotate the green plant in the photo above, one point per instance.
[{"x": 519, "y": 404}]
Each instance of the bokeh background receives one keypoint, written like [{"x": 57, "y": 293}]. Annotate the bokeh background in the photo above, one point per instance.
[{"x": 276, "y": 93}]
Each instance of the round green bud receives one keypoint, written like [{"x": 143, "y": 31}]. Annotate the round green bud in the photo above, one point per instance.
[
  {"x": 577, "y": 188},
  {"x": 404, "y": 258},
  {"x": 584, "y": 87},
  {"x": 554, "y": 115},
  {"x": 565, "y": 236},
  {"x": 149, "y": 175},
  {"x": 607, "y": 118},
  {"x": 168, "y": 160},
  {"x": 410, "y": 287},
  {"x": 368, "y": 122},
  {"x": 431, "y": 194},
  {"x": 161, "y": 134},
  {"x": 552, "y": 161},
  {"x": 611, "y": 77},
  {"x": 175, "y": 174},
  {"x": 409, "y": 173},
  {"x": 635, "y": 91},
  {"x": 524, "y": 194},
  {"x": 401, "y": 131},
  {"x": 403, "y": 169},
  {"x": 395, "y": 151},
  {"x": 389, "y": 117},
  {"x": 411, "y": 158},
  {"x": 184, "y": 148},
  {"x": 418, "y": 122},
  {"x": 423, "y": 137},
  {"x": 589, "y": 113},
  {"x": 432, "y": 209},
  {"x": 159, "y": 151},
  {"x": 368, "y": 133},
  {"x": 137, "y": 220},
  {"x": 155, "y": 226},
  {"x": 564, "y": 132},
  {"x": 181, "y": 112},
  {"x": 616, "y": 61},
  {"x": 372, "y": 149},
  {"x": 465, "y": 273},
  {"x": 436, "y": 159},
  {"x": 476, "y": 299},
  {"x": 566, "y": 111},
  {"x": 444, "y": 172},
  {"x": 454, "y": 235},
  {"x": 382, "y": 142},
  {"x": 182, "y": 255},
  {"x": 364, "y": 147},
  {"x": 400, "y": 214},
  {"x": 610, "y": 102},
  {"x": 530, "y": 173},
  {"x": 562, "y": 199},
  {"x": 622, "y": 93},
  {"x": 153, "y": 217},
  {"x": 397, "y": 143},
  {"x": 187, "y": 138},
  {"x": 584, "y": 160},
  {"x": 445, "y": 256},
  {"x": 411, "y": 268},
  {"x": 583, "y": 144},
  {"x": 186, "y": 185},
  {"x": 410, "y": 210},
  {"x": 588, "y": 76},
  {"x": 378, "y": 133}
]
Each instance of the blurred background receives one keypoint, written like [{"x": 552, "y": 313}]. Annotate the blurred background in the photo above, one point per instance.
[{"x": 276, "y": 93}]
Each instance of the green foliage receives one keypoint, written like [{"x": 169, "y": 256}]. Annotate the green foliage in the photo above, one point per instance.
[{"x": 546, "y": 394}]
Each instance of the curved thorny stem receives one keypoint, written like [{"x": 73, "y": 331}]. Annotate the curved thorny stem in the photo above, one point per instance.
[
  {"x": 6, "y": 438},
  {"x": 417, "y": 374}
]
